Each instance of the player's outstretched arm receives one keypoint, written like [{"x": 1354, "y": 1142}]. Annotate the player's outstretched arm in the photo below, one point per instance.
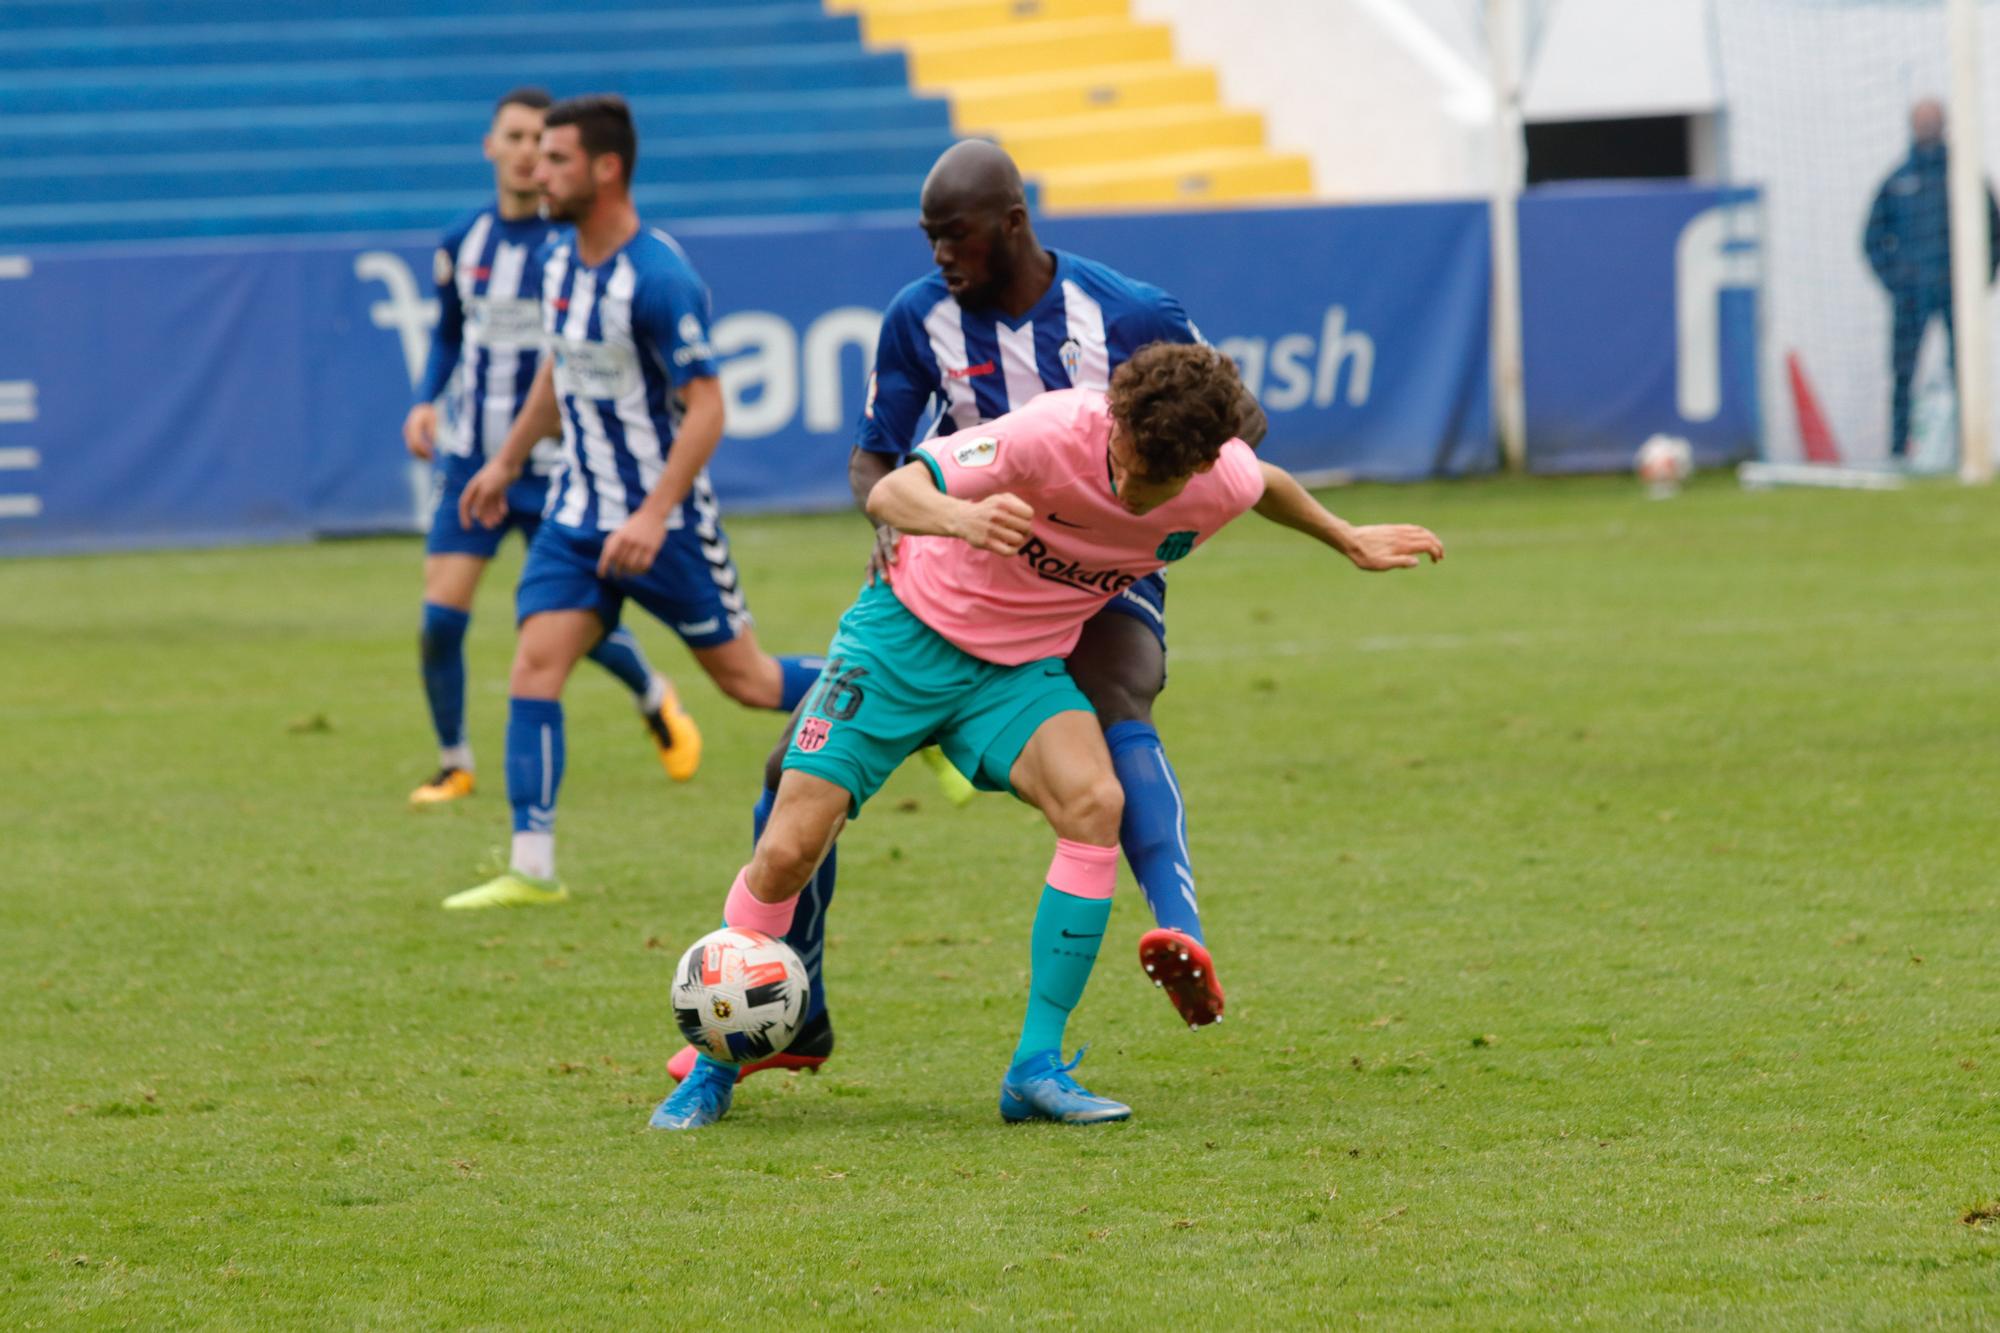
[
  {"x": 1373, "y": 546},
  {"x": 909, "y": 501},
  {"x": 484, "y": 499}
]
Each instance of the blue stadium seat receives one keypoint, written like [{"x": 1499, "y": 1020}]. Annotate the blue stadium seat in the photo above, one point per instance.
[{"x": 126, "y": 120}]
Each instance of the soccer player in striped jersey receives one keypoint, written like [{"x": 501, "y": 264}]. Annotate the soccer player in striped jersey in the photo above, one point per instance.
[
  {"x": 484, "y": 353},
  {"x": 630, "y": 383},
  {"x": 1001, "y": 320}
]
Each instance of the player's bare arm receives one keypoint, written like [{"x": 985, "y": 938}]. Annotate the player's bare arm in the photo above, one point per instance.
[
  {"x": 1373, "y": 546},
  {"x": 484, "y": 500},
  {"x": 908, "y": 500},
  {"x": 420, "y": 430},
  {"x": 633, "y": 548},
  {"x": 865, "y": 468}
]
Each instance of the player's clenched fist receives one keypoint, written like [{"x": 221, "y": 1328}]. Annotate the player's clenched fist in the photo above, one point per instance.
[
  {"x": 420, "y": 430},
  {"x": 630, "y": 551},
  {"x": 1378, "y": 546},
  {"x": 484, "y": 499},
  {"x": 999, "y": 523}
]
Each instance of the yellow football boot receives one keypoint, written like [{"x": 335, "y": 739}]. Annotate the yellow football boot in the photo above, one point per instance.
[
  {"x": 450, "y": 784},
  {"x": 957, "y": 788},
  {"x": 676, "y": 737},
  {"x": 512, "y": 889}
]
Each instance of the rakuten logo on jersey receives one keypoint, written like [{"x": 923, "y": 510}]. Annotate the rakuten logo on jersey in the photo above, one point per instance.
[{"x": 1047, "y": 564}]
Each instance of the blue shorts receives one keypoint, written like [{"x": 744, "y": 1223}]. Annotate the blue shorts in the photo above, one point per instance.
[
  {"x": 1146, "y": 602},
  {"x": 450, "y": 537},
  {"x": 692, "y": 587}
]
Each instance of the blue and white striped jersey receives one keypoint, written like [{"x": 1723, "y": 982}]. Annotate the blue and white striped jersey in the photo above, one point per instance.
[
  {"x": 975, "y": 365},
  {"x": 626, "y": 336},
  {"x": 488, "y": 338}
]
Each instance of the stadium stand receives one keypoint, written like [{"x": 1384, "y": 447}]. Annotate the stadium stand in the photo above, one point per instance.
[
  {"x": 1090, "y": 101},
  {"x": 142, "y": 119},
  {"x": 128, "y": 120}
]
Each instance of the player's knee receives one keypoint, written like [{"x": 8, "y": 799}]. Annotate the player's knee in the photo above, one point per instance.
[
  {"x": 1122, "y": 694},
  {"x": 1117, "y": 703},
  {"x": 1093, "y": 812},
  {"x": 537, "y": 667},
  {"x": 745, "y": 682},
  {"x": 785, "y": 860}
]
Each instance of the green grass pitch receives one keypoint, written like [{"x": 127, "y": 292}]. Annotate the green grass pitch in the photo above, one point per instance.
[{"x": 1610, "y": 918}]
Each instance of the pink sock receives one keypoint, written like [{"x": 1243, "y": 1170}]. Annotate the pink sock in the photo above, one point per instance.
[
  {"x": 746, "y": 910},
  {"x": 1083, "y": 871}
]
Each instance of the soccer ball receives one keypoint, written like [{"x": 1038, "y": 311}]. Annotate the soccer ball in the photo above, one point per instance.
[
  {"x": 740, "y": 995},
  {"x": 1663, "y": 463}
]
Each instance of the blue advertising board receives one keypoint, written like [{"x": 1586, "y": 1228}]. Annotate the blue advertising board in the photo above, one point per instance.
[
  {"x": 1639, "y": 317},
  {"x": 191, "y": 395}
]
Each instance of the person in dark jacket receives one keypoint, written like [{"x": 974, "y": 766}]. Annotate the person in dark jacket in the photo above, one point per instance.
[{"x": 1908, "y": 242}]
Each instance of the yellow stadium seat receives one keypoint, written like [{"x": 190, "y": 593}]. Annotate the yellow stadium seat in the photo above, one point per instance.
[
  {"x": 1129, "y": 136},
  {"x": 983, "y": 106},
  {"x": 1220, "y": 176},
  {"x": 899, "y": 21},
  {"x": 1091, "y": 102},
  {"x": 938, "y": 61}
]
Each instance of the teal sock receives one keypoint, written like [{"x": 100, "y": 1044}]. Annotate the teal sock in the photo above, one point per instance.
[{"x": 1062, "y": 950}]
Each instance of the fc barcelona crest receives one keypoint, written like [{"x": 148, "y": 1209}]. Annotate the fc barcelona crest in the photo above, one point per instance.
[
  {"x": 1071, "y": 356},
  {"x": 813, "y": 732}
]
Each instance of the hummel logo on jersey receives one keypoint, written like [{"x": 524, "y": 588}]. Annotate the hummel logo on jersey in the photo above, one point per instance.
[
  {"x": 1053, "y": 518},
  {"x": 1047, "y": 564},
  {"x": 970, "y": 372}
]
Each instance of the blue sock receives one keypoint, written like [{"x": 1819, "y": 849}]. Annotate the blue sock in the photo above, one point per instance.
[
  {"x": 619, "y": 653},
  {"x": 1062, "y": 951},
  {"x": 808, "y": 933},
  {"x": 1154, "y": 831},
  {"x": 534, "y": 762},
  {"x": 442, "y": 648},
  {"x": 800, "y": 675}
]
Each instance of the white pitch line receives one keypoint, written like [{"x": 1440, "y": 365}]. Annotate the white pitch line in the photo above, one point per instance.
[
  {"x": 20, "y": 506},
  {"x": 19, "y": 460}
]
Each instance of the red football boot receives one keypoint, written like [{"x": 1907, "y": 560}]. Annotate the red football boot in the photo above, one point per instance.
[
  {"x": 808, "y": 1051},
  {"x": 1180, "y": 966}
]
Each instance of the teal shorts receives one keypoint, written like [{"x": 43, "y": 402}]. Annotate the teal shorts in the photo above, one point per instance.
[{"x": 893, "y": 685}]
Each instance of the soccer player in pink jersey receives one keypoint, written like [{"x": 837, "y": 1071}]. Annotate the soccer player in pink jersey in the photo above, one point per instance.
[{"x": 1013, "y": 535}]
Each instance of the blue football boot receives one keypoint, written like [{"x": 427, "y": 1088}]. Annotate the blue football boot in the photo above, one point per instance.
[
  {"x": 702, "y": 1098},
  {"x": 1039, "y": 1088}
]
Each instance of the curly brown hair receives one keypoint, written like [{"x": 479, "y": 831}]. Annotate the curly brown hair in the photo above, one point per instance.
[{"x": 1178, "y": 404}]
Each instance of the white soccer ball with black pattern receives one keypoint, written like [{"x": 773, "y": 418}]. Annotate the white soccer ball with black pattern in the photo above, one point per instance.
[{"x": 740, "y": 995}]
